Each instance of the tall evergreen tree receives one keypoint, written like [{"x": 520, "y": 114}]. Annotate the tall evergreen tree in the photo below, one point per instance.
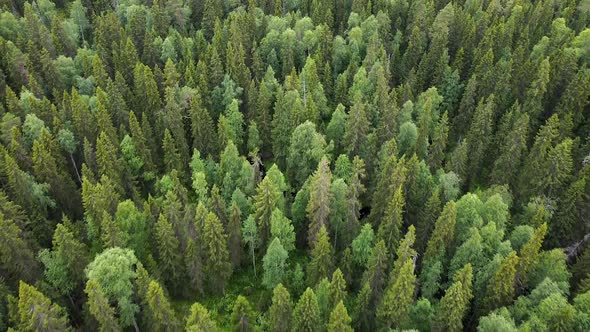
[
  {"x": 306, "y": 316},
  {"x": 339, "y": 319},
  {"x": 280, "y": 313},
  {"x": 455, "y": 303},
  {"x": 243, "y": 316},
  {"x": 218, "y": 265},
  {"x": 322, "y": 254},
  {"x": 318, "y": 208}
]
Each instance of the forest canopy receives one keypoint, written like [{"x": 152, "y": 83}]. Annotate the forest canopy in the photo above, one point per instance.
[{"x": 295, "y": 165}]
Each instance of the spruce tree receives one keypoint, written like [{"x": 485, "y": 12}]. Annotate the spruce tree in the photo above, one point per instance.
[
  {"x": 168, "y": 251},
  {"x": 280, "y": 313},
  {"x": 37, "y": 313},
  {"x": 500, "y": 289},
  {"x": 318, "y": 208},
  {"x": 100, "y": 308},
  {"x": 529, "y": 255},
  {"x": 390, "y": 227},
  {"x": 339, "y": 319},
  {"x": 455, "y": 303},
  {"x": 397, "y": 301},
  {"x": 161, "y": 311},
  {"x": 322, "y": 254},
  {"x": 306, "y": 316},
  {"x": 199, "y": 319},
  {"x": 337, "y": 288},
  {"x": 217, "y": 266},
  {"x": 243, "y": 316},
  {"x": 234, "y": 230}
]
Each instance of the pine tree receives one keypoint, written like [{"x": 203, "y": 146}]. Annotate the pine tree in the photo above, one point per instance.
[
  {"x": 161, "y": 312},
  {"x": 306, "y": 316},
  {"x": 339, "y": 319},
  {"x": 274, "y": 264},
  {"x": 318, "y": 208},
  {"x": 280, "y": 313},
  {"x": 218, "y": 265},
  {"x": 243, "y": 316},
  {"x": 322, "y": 254},
  {"x": 455, "y": 303},
  {"x": 100, "y": 308}
]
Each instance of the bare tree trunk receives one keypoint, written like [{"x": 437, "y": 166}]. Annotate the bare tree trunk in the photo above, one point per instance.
[
  {"x": 75, "y": 168},
  {"x": 575, "y": 249}
]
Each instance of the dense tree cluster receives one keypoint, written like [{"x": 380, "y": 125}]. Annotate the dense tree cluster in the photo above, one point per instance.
[{"x": 294, "y": 165}]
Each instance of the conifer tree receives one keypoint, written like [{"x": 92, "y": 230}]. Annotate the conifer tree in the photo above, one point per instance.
[
  {"x": 500, "y": 289},
  {"x": 376, "y": 273},
  {"x": 512, "y": 149},
  {"x": 243, "y": 316},
  {"x": 322, "y": 254},
  {"x": 337, "y": 288},
  {"x": 339, "y": 319},
  {"x": 318, "y": 208},
  {"x": 390, "y": 227},
  {"x": 265, "y": 201},
  {"x": 218, "y": 265},
  {"x": 168, "y": 251},
  {"x": 161, "y": 312},
  {"x": 397, "y": 301},
  {"x": 357, "y": 129},
  {"x": 280, "y": 313},
  {"x": 306, "y": 316},
  {"x": 442, "y": 236},
  {"x": 199, "y": 319},
  {"x": 455, "y": 303},
  {"x": 479, "y": 133},
  {"x": 194, "y": 265},
  {"x": 100, "y": 307},
  {"x": 234, "y": 230},
  {"x": 37, "y": 313},
  {"x": 529, "y": 255}
]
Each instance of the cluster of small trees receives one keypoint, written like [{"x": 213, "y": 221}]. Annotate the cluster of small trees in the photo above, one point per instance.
[{"x": 364, "y": 164}]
